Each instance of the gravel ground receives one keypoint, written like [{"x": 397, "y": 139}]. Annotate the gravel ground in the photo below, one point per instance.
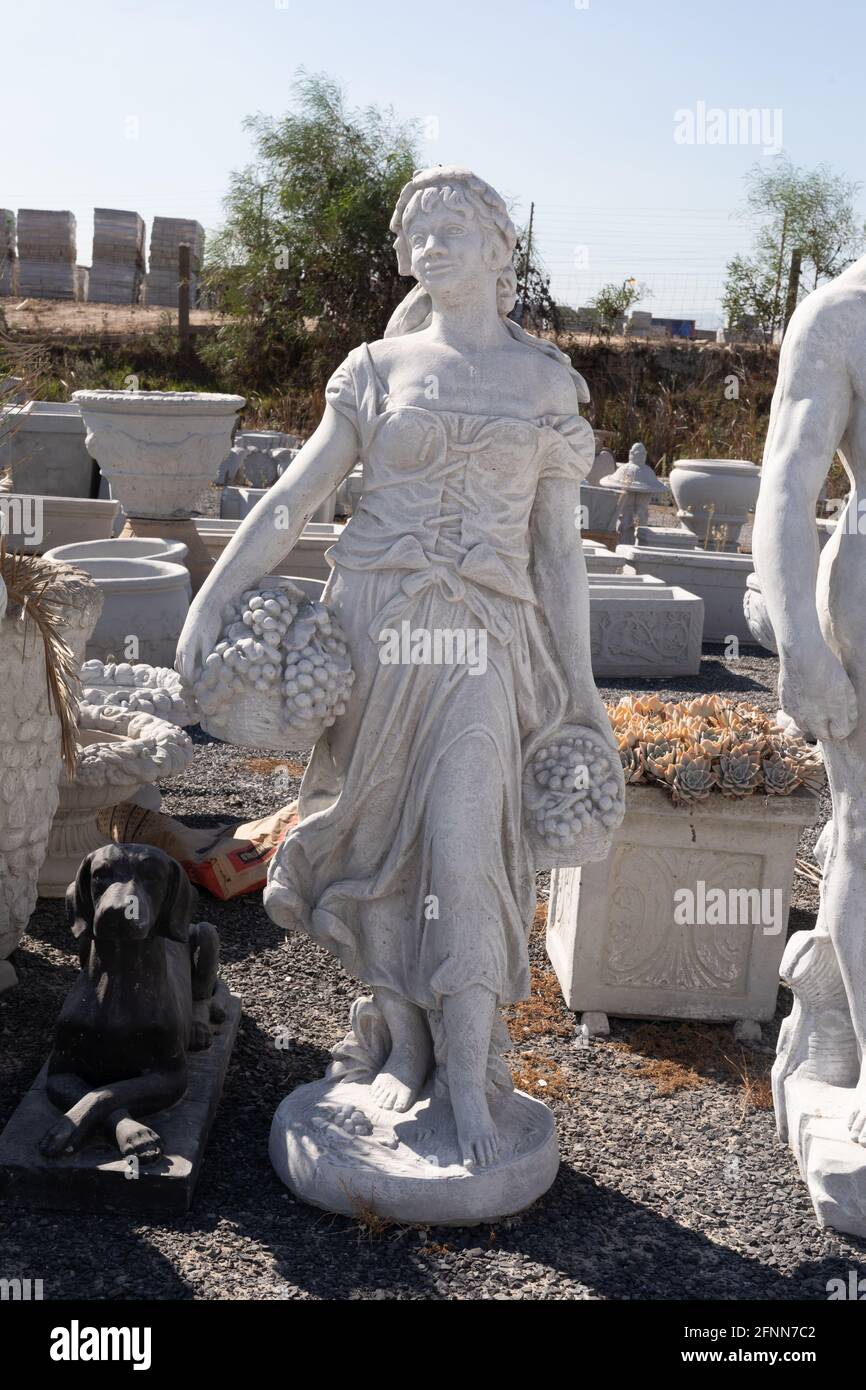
[{"x": 686, "y": 1195}]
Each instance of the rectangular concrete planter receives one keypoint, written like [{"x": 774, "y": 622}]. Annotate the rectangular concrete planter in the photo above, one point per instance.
[
  {"x": 641, "y": 627},
  {"x": 47, "y": 450},
  {"x": 716, "y": 576},
  {"x": 307, "y": 559},
  {"x": 611, "y": 930}
]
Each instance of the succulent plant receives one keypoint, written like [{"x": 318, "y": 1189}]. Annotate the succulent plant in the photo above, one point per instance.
[{"x": 691, "y": 747}]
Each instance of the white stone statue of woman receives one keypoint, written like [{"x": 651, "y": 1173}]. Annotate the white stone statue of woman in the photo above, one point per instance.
[{"x": 410, "y": 862}]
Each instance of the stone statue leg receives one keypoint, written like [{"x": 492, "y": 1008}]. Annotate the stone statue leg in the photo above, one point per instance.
[
  {"x": 843, "y": 906},
  {"x": 406, "y": 1067},
  {"x": 466, "y": 811},
  {"x": 468, "y": 1019}
]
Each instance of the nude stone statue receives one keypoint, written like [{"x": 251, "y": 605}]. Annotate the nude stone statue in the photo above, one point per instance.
[{"x": 818, "y": 614}]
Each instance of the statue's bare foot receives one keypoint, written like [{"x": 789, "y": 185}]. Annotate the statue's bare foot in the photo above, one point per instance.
[
  {"x": 62, "y": 1138},
  {"x": 476, "y": 1132},
  {"x": 135, "y": 1140},
  {"x": 405, "y": 1070}
]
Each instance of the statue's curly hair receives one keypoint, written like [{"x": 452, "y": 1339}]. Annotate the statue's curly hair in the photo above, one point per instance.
[{"x": 459, "y": 187}]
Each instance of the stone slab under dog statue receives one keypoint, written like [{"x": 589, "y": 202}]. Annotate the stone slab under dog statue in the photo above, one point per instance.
[
  {"x": 119, "y": 1117},
  {"x": 818, "y": 616},
  {"x": 472, "y": 748}
]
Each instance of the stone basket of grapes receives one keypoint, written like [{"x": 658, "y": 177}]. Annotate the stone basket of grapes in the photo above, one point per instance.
[
  {"x": 573, "y": 798},
  {"x": 280, "y": 673}
]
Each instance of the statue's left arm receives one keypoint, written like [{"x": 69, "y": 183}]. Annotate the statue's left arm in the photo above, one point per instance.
[{"x": 562, "y": 590}]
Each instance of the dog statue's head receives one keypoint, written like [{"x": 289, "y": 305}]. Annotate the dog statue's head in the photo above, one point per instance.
[{"x": 126, "y": 893}]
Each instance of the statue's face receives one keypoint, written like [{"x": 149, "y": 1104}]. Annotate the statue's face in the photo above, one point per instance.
[{"x": 448, "y": 250}]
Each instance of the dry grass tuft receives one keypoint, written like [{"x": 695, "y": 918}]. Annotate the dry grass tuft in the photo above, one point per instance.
[
  {"x": 543, "y": 1014},
  {"x": 266, "y": 767},
  {"x": 539, "y": 1076},
  {"x": 370, "y": 1225},
  {"x": 684, "y": 1056}
]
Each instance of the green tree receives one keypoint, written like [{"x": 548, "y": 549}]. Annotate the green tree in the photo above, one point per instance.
[
  {"x": 613, "y": 302},
  {"x": 809, "y": 211},
  {"x": 304, "y": 265}
]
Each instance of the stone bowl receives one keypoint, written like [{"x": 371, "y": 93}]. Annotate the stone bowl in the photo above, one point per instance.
[
  {"x": 715, "y": 495},
  {"x": 144, "y": 600},
  {"x": 121, "y": 548}
]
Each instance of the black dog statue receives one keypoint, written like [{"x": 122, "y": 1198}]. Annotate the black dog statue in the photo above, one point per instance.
[{"x": 144, "y": 997}]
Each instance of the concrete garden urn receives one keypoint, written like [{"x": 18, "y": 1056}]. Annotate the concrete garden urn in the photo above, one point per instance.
[
  {"x": 30, "y": 730},
  {"x": 159, "y": 450},
  {"x": 714, "y": 498},
  {"x": 144, "y": 609},
  {"x": 119, "y": 752}
]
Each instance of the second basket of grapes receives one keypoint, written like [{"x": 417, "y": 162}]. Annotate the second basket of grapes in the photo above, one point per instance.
[{"x": 280, "y": 673}]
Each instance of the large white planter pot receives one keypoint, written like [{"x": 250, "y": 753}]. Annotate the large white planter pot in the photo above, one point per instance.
[
  {"x": 714, "y": 498},
  {"x": 147, "y": 600},
  {"x": 159, "y": 450},
  {"x": 612, "y": 933},
  {"x": 121, "y": 548},
  {"x": 48, "y": 452},
  {"x": 118, "y": 754},
  {"x": 31, "y": 758},
  {"x": 36, "y": 524}
]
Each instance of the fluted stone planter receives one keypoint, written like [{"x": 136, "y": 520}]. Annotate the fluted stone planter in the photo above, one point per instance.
[
  {"x": 159, "y": 451},
  {"x": 31, "y": 759},
  {"x": 118, "y": 753},
  {"x": 714, "y": 498}
]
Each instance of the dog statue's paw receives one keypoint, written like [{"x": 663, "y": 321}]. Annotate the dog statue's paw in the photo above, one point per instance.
[
  {"x": 135, "y": 1140},
  {"x": 200, "y": 1036},
  {"x": 59, "y": 1139}
]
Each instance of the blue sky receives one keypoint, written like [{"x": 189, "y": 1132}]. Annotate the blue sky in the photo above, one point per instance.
[{"x": 134, "y": 104}]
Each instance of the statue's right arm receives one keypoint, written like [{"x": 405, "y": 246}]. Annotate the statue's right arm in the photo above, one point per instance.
[
  {"x": 268, "y": 533},
  {"x": 811, "y": 408}
]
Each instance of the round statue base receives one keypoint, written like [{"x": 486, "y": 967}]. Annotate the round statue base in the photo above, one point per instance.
[{"x": 335, "y": 1148}]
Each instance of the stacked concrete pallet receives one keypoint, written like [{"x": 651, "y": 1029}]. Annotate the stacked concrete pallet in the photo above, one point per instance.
[
  {"x": 118, "y": 257},
  {"x": 46, "y": 254},
  {"x": 166, "y": 236},
  {"x": 7, "y": 251}
]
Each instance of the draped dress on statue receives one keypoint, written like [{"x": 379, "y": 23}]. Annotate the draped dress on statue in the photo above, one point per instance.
[{"x": 413, "y": 885}]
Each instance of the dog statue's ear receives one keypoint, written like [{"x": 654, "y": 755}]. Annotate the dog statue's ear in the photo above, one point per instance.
[
  {"x": 79, "y": 909},
  {"x": 178, "y": 905}
]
